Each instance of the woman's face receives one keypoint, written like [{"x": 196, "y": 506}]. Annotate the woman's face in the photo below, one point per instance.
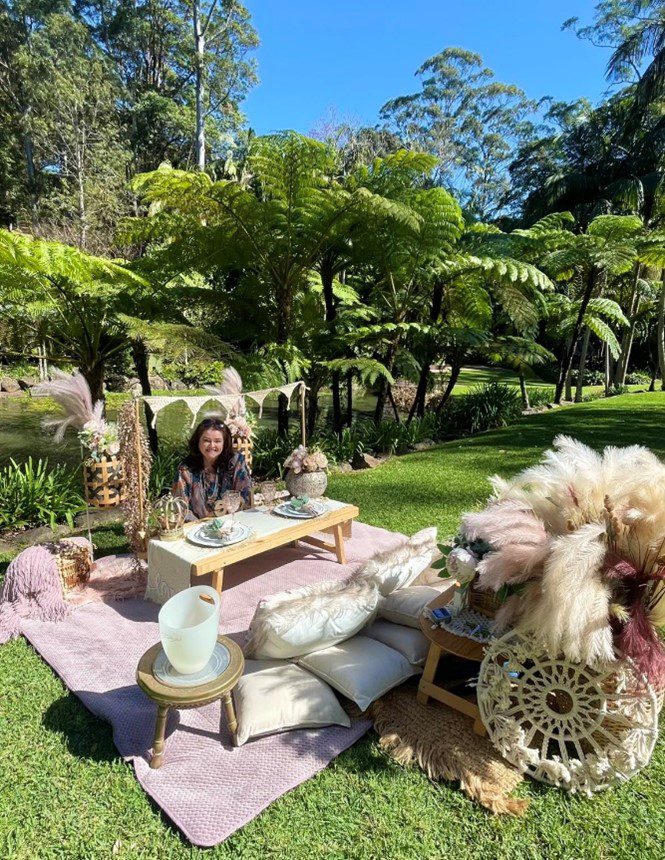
[{"x": 211, "y": 445}]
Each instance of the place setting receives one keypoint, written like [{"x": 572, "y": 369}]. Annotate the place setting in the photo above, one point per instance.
[{"x": 224, "y": 530}]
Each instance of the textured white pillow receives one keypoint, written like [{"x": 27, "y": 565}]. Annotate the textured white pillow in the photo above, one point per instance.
[
  {"x": 293, "y": 623},
  {"x": 361, "y": 668},
  {"x": 273, "y": 696},
  {"x": 406, "y": 605},
  {"x": 412, "y": 644},
  {"x": 397, "y": 568}
]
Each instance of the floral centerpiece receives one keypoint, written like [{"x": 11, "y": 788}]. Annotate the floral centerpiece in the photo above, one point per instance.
[
  {"x": 306, "y": 472},
  {"x": 103, "y": 475}
]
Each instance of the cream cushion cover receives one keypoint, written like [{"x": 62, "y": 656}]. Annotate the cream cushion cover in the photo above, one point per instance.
[
  {"x": 294, "y": 623},
  {"x": 398, "y": 568},
  {"x": 412, "y": 644},
  {"x": 273, "y": 696},
  {"x": 361, "y": 669},
  {"x": 406, "y": 605}
]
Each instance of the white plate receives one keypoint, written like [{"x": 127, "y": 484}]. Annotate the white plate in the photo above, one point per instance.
[
  {"x": 197, "y": 535},
  {"x": 218, "y": 663},
  {"x": 285, "y": 510}
]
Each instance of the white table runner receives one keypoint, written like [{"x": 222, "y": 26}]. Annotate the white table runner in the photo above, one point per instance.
[{"x": 169, "y": 562}]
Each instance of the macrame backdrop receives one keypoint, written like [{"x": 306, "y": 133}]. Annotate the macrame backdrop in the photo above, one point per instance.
[{"x": 136, "y": 461}]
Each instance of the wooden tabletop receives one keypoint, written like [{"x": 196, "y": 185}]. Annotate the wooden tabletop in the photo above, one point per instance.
[
  {"x": 201, "y": 694},
  {"x": 290, "y": 531},
  {"x": 460, "y": 646}
]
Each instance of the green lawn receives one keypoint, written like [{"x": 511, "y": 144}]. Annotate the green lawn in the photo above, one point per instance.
[{"x": 65, "y": 793}]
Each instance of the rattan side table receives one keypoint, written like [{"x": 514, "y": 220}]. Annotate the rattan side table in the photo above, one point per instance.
[{"x": 167, "y": 697}]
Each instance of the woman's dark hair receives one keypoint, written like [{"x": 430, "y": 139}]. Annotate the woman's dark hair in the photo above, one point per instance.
[{"x": 195, "y": 459}]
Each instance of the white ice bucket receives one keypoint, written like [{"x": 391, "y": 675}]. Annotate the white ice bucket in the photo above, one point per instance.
[{"x": 188, "y": 628}]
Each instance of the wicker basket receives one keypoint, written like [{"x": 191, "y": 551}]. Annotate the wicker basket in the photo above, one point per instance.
[
  {"x": 104, "y": 482},
  {"x": 485, "y": 602},
  {"x": 73, "y": 562}
]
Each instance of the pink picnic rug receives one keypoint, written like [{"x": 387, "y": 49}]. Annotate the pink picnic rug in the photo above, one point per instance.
[{"x": 207, "y": 787}]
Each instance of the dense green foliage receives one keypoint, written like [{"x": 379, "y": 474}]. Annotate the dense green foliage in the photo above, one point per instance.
[{"x": 32, "y": 494}]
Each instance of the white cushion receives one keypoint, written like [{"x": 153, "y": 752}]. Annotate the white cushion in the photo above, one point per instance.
[
  {"x": 361, "y": 668},
  {"x": 406, "y": 605},
  {"x": 412, "y": 644},
  {"x": 397, "y": 568},
  {"x": 273, "y": 696},
  {"x": 294, "y": 623}
]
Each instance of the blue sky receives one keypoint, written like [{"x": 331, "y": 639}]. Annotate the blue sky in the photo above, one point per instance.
[{"x": 352, "y": 57}]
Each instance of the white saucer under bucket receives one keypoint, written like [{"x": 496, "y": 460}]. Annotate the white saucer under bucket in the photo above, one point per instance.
[{"x": 188, "y": 628}]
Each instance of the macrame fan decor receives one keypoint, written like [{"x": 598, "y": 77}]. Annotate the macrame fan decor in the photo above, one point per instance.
[{"x": 569, "y": 725}]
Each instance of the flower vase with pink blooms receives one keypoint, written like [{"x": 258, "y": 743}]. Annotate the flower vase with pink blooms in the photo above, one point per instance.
[{"x": 306, "y": 472}]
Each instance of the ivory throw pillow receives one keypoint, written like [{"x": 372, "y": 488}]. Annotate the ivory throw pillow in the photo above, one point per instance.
[
  {"x": 412, "y": 644},
  {"x": 397, "y": 568},
  {"x": 406, "y": 605},
  {"x": 294, "y": 623},
  {"x": 361, "y": 669},
  {"x": 273, "y": 696}
]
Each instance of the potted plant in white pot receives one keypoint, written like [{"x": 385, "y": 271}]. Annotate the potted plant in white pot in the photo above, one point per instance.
[{"x": 306, "y": 472}]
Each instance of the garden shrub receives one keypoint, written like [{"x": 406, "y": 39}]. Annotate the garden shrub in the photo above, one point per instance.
[
  {"x": 638, "y": 377},
  {"x": 163, "y": 469},
  {"x": 34, "y": 495},
  {"x": 483, "y": 408},
  {"x": 540, "y": 397}
]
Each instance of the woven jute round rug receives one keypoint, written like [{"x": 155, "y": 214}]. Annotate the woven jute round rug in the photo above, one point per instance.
[{"x": 442, "y": 743}]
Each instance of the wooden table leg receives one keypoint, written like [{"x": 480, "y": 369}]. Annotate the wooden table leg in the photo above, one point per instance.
[
  {"x": 346, "y": 528},
  {"x": 479, "y": 727},
  {"x": 160, "y": 731},
  {"x": 339, "y": 544},
  {"x": 230, "y": 714},
  {"x": 218, "y": 579},
  {"x": 429, "y": 671}
]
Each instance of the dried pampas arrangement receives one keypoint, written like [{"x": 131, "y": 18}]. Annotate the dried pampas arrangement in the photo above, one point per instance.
[
  {"x": 579, "y": 541},
  {"x": 136, "y": 460}
]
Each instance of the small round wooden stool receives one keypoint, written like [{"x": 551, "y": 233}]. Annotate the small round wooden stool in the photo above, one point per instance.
[
  {"x": 189, "y": 697},
  {"x": 441, "y": 643}
]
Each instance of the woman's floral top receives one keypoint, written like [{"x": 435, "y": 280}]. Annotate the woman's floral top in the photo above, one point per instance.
[{"x": 202, "y": 491}]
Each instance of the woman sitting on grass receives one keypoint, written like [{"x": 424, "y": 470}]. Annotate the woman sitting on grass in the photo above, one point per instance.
[{"x": 211, "y": 469}]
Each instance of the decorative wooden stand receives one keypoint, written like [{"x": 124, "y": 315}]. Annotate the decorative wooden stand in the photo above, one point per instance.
[{"x": 442, "y": 643}]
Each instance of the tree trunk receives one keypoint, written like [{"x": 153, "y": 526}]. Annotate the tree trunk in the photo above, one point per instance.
[
  {"x": 418, "y": 406},
  {"x": 569, "y": 385},
  {"x": 567, "y": 360},
  {"x": 629, "y": 333},
  {"x": 523, "y": 390},
  {"x": 419, "y": 401},
  {"x": 391, "y": 399},
  {"x": 94, "y": 376},
  {"x": 312, "y": 409},
  {"x": 582, "y": 366},
  {"x": 141, "y": 366},
  {"x": 282, "y": 415},
  {"x": 654, "y": 375},
  {"x": 382, "y": 396},
  {"x": 455, "y": 370},
  {"x": 349, "y": 398},
  {"x": 327, "y": 277},
  {"x": 199, "y": 45},
  {"x": 608, "y": 371},
  {"x": 661, "y": 331}
]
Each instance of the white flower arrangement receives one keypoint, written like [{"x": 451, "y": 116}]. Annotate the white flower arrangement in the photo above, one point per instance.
[{"x": 302, "y": 460}]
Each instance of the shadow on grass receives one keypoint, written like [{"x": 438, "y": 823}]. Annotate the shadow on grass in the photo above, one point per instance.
[{"x": 85, "y": 735}]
